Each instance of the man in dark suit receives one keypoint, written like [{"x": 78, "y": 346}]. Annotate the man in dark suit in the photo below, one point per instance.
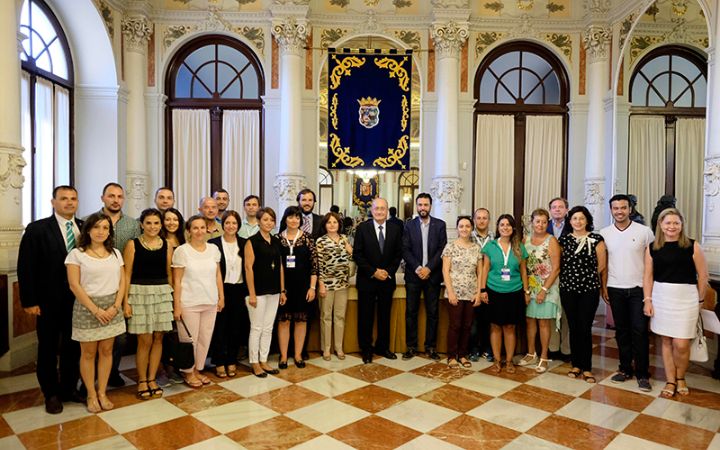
[
  {"x": 45, "y": 293},
  {"x": 559, "y": 222},
  {"x": 423, "y": 240},
  {"x": 377, "y": 252},
  {"x": 394, "y": 219},
  {"x": 310, "y": 222}
]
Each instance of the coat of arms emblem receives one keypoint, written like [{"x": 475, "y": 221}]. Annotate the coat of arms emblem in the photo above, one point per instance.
[{"x": 369, "y": 112}]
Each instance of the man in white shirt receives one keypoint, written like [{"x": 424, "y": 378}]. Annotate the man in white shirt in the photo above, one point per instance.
[{"x": 622, "y": 285}]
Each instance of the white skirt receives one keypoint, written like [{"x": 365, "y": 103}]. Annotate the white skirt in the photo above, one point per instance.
[{"x": 676, "y": 310}]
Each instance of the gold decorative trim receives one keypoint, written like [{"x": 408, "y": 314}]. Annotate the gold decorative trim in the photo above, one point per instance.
[
  {"x": 343, "y": 68},
  {"x": 333, "y": 110},
  {"x": 343, "y": 153},
  {"x": 405, "y": 113},
  {"x": 396, "y": 71},
  {"x": 394, "y": 154},
  {"x": 561, "y": 41}
]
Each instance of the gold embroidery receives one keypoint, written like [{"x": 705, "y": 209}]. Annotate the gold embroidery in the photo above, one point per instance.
[
  {"x": 405, "y": 113},
  {"x": 395, "y": 155},
  {"x": 396, "y": 71},
  {"x": 343, "y": 153},
  {"x": 343, "y": 68}
]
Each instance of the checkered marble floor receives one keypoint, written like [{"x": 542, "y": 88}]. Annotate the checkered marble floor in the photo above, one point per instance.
[{"x": 415, "y": 404}]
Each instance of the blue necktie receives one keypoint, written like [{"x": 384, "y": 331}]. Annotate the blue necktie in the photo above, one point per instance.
[{"x": 381, "y": 239}]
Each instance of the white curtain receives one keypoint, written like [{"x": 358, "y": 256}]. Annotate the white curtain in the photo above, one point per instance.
[
  {"x": 26, "y": 142},
  {"x": 62, "y": 135},
  {"x": 494, "y": 163},
  {"x": 44, "y": 170},
  {"x": 689, "y": 152},
  {"x": 241, "y": 155},
  {"x": 191, "y": 158},
  {"x": 646, "y": 165},
  {"x": 543, "y": 160}
]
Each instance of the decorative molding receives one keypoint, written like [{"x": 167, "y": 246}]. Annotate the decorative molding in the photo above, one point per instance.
[
  {"x": 625, "y": 28},
  {"x": 174, "y": 32},
  {"x": 214, "y": 21},
  {"x": 598, "y": 6},
  {"x": 256, "y": 35},
  {"x": 449, "y": 38},
  {"x": 136, "y": 187},
  {"x": 136, "y": 30},
  {"x": 594, "y": 193},
  {"x": 446, "y": 189},
  {"x": 596, "y": 40},
  {"x": 562, "y": 42},
  {"x": 290, "y": 34},
  {"x": 107, "y": 15},
  {"x": 11, "y": 167},
  {"x": 410, "y": 38},
  {"x": 330, "y": 35},
  {"x": 286, "y": 186},
  {"x": 486, "y": 39},
  {"x": 523, "y": 29},
  {"x": 447, "y": 4},
  {"x": 711, "y": 175},
  {"x": 20, "y": 39}
]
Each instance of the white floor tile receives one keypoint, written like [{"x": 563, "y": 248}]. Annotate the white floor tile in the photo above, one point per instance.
[
  {"x": 327, "y": 415},
  {"x": 404, "y": 365},
  {"x": 217, "y": 443},
  {"x": 249, "y": 386},
  {"x": 702, "y": 382},
  {"x": 235, "y": 415},
  {"x": 715, "y": 443},
  {"x": 323, "y": 442},
  {"x": 624, "y": 442},
  {"x": 111, "y": 443},
  {"x": 418, "y": 415},
  {"x": 508, "y": 414},
  {"x": 333, "y": 384},
  {"x": 409, "y": 384},
  {"x": 526, "y": 441},
  {"x": 11, "y": 443},
  {"x": 486, "y": 384},
  {"x": 18, "y": 383},
  {"x": 336, "y": 364},
  {"x": 425, "y": 442},
  {"x": 598, "y": 414},
  {"x": 141, "y": 415},
  {"x": 697, "y": 416},
  {"x": 36, "y": 417},
  {"x": 632, "y": 386},
  {"x": 560, "y": 383}
]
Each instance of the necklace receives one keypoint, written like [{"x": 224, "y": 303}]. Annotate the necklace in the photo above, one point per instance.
[
  {"x": 154, "y": 245},
  {"x": 90, "y": 250}
]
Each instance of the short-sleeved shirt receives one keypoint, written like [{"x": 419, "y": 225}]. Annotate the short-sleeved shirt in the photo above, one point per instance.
[
  {"x": 578, "y": 266},
  {"x": 199, "y": 282},
  {"x": 463, "y": 268},
  {"x": 247, "y": 231},
  {"x": 493, "y": 251},
  {"x": 626, "y": 254},
  {"x": 98, "y": 277},
  {"x": 125, "y": 229},
  {"x": 333, "y": 261}
]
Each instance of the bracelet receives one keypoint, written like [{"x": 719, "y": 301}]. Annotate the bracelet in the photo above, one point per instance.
[
  {"x": 646, "y": 299},
  {"x": 483, "y": 290},
  {"x": 283, "y": 291},
  {"x": 312, "y": 287},
  {"x": 527, "y": 292},
  {"x": 544, "y": 288}
]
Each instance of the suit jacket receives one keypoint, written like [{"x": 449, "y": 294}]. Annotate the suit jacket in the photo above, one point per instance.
[
  {"x": 397, "y": 222},
  {"x": 316, "y": 231},
  {"x": 223, "y": 263},
  {"x": 567, "y": 228},
  {"x": 413, "y": 252},
  {"x": 42, "y": 276},
  {"x": 367, "y": 255}
]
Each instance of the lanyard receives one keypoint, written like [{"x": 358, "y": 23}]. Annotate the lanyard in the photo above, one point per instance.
[
  {"x": 506, "y": 256},
  {"x": 292, "y": 244}
]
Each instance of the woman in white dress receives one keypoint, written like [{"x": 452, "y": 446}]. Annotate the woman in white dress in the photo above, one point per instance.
[{"x": 675, "y": 283}]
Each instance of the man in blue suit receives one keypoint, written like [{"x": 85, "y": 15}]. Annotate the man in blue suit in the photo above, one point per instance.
[{"x": 424, "y": 239}]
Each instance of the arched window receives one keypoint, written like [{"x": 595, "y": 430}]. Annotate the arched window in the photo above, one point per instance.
[
  {"x": 46, "y": 108},
  {"x": 668, "y": 90},
  {"x": 521, "y": 92},
  {"x": 214, "y": 132},
  {"x": 325, "y": 198},
  {"x": 408, "y": 186}
]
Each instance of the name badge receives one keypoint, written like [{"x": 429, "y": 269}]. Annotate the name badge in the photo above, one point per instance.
[
  {"x": 505, "y": 274},
  {"x": 290, "y": 262}
]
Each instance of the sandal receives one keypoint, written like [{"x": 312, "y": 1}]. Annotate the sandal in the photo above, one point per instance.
[
  {"x": 220, "y": 372},
  {"x": 340, "y": 355},
  {"x": 589, "y": 378},
  {"x": 542, "y": 366},
  {"x": 326, "y": 356},
  {"x": 497, "y": 367},
  {"x": 465, "y": 363},
  {"x": 93, "y": 406},
  {"x": 231, "y": 370},
  {"x": 510, "y": 367},
  {"x": 143, "y": 394},
  {"x": 574, "y": 373},
  {"x": 453, "y": 364},
  {"x": 527, "y": 359},
  {"x": 156, "y": 392},
  {"x": 192, "y": 381},
  {"x": 668, "y": 393},
  {"x": 682, "y": 390},
  {"x": 105, "y": 403},
  {"x": 203, "y": 379}
]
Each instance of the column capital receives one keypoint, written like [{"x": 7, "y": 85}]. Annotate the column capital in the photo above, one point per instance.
[
  {"x": 287, "y": 186},
  {"x": 594, "y": 193},
  {"x": 290, "y": 34},
  {"x": 136, "y": 189},
  {"x": 449, "y": 37},
  {"x": 136, "y": 30},
  {"x": 596, "y": 39},
  {"x": 446, "y": 189}
]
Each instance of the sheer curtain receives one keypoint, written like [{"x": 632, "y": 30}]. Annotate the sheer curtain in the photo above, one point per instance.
[
  {"x": 191, "y": 158},
  {"x": 494, "y": 163},
  {"x": 43, "y": 162},
  {"x": 543, "y": 160},
  {"x": 689, "y": 152},
  {"x": 241, "y": 155},
  {"x": 26, "y": 142},
  {"x": 646, "y": 165},
  {"x": 62, "y": 135}
]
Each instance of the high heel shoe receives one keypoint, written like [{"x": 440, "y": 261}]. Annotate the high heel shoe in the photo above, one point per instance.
[
  {"x": 93, "y": 406},
  {"x": 105, "y": 403}
]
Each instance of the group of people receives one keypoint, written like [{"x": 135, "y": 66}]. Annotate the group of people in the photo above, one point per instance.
[{"x": 230, "y": 283}]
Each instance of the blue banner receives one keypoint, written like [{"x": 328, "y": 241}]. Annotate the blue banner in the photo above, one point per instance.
[{"x": 369, "y": 98}]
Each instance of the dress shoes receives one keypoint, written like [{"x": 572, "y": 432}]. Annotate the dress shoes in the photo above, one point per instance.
[
  {"x": 282, "y": 365},
  {"x": 387, "y": 354},
  {"x": 432, "y": 354},
  {"x": 367, "y": 358},
  {"x": 409, "y": 354},
  {"x": 53, "y": 405},
  {"x": 271, "y": 371},
  {"x": 299, "y": 363}
]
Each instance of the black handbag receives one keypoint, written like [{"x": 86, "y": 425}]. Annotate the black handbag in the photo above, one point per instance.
[{"x": 181, "y": 355}]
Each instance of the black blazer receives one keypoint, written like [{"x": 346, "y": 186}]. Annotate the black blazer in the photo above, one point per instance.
[
  {"x": 316, "y": 232},
  {"x": 412, "y": 249},
  {"x": 567, "y": 228},
  {"x": 223, "y": 267},
  {"x": 367, "y": 255},
  {"x": 42, "y": 276}
]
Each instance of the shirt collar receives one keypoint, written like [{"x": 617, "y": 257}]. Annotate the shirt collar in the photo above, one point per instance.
[{"x": 61, "y": 220}]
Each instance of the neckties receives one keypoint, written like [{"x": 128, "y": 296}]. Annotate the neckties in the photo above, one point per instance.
[
  {"x": 69, "y": 236},
  {"x": 306, "y": 225},
  {"x": 381, "y": 239}
]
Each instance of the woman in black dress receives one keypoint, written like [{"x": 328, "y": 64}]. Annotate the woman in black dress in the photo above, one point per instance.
[{"x": 301, "y": 269}]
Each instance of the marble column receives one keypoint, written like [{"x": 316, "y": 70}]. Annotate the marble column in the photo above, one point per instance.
[
  {"x": 446, "y": 187},
  {"x": 290, "y": 34},
  {"x": 711, "y": 212},
  {"x": 136, "y": 32},
  {"x": 596, "y": 40}
]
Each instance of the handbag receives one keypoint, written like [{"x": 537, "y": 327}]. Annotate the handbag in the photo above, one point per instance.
[
  {"x": 181, "y": 355},
  {"x": 698, "y": 346}
]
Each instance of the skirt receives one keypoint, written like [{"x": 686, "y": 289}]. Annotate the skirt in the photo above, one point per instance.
[
  {"x": 544, "y": 310},
  {"x": 676, "y": 309},
  {"x": 506, "y": 308},
  {"x": 152, "y": 308},
  {"x": 86, "y": 328}
]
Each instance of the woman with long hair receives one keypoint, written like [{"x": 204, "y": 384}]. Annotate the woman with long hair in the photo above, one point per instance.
[
  {"x": 97, "y": 279},
  {"x": 198, "y": 294},
  {"x": 504, "y": 287},
  {"x": 583, "y": 260},
  {"x": 543, "y": 266},
  {"x": 675, "y": 283},
  {"x": 173, "y": 225},
  {"x": 148, "y": 303}
]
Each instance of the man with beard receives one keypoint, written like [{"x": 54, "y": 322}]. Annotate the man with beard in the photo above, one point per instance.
[
  {"x": 423, "y": 240},
  {"x": 164, "y": 199},
  {"x": 222, "y": 198},
  {"x": 310, "y": 222},
  {"x": 480, "y": 332}
]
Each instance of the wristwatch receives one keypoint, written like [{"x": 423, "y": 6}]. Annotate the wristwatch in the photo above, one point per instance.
[
  {"x": 483, "y": 290},
  {"x": 284, "y": 291}
]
